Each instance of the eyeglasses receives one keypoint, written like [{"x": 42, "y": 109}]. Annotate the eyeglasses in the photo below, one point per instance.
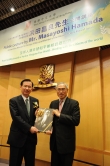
[{"x": 61, "y": 89}]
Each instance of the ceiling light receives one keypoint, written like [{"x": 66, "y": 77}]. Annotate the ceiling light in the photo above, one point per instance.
[{"x": 12, "y": 9}]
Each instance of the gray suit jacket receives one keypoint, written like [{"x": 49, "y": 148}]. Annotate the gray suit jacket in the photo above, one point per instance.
[
  {"x": 63, "y": 135},
  {"x": 21, "y": 122}
]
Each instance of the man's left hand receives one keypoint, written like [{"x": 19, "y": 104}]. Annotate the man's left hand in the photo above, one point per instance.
[{"x": 36, "y": 111}]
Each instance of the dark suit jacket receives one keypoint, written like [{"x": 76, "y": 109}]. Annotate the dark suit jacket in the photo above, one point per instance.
[
  {"x": 63, "y": 135},
  {"x": 21, "y": 122}
]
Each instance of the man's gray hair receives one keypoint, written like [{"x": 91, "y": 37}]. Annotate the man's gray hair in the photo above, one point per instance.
[{"x": 63, "y": 84}]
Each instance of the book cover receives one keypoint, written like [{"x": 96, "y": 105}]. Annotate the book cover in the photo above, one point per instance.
[{"x": 44, "y": 119}]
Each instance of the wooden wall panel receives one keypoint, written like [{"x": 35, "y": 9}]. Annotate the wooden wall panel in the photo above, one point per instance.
[
  {"x": 4, "y": 81},
  {"x": 42, "y": 163},
  {"x": 87, "y": 90},
  {"x": 4, "y": 72},
  {"x": 4, "y": 150},
  {"x": 76, "y": 163},
  {"x": 89, "y": 155},
  {"x": 13, "y": 90},
  {"x": 18, "y": 70},
  {"x": 42, "y": 151},
  {"x": 106, "y": 96},
  {"x": 106, "y": 159},
  {"x": 0, "y": 144},
  {"x": 105, "y": 59},
  {"x": 4, "y": 153}
]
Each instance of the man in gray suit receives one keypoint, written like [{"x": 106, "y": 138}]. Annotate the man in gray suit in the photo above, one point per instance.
[
  {"x": 66, "y": 116},
  {"x": 22, "y": 136}
]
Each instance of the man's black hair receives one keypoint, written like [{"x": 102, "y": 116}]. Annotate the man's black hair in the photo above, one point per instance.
[{"x": 26, "y": 80}]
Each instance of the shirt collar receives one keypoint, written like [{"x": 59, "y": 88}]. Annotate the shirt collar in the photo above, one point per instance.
[
  {"x": 63, "y": 99},
  {"x": 24, "y": 98}
]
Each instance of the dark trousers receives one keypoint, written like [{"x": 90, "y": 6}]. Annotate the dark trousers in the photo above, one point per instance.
[
  {"x": 17, "y": 154},
  {"x": 58, "y": 159}
]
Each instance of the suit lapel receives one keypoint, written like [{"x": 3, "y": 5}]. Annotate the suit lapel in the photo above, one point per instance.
[
  {"x": 57, "y": 104},
  {"x": 65, "y": 106},
  {"x": 31, "y": 107}
]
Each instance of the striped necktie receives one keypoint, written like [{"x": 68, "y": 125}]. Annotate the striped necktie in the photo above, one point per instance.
[{"x": 27, "y": 106}]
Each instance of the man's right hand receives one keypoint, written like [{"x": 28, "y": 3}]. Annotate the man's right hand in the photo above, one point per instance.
[{"x": 48, "y": 132}]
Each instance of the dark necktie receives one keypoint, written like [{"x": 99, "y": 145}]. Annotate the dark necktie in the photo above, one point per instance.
[{"x": 27, "y": 106}]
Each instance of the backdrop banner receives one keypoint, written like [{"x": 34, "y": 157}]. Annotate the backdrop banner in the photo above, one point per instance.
[{"x": 81, "y": 25}]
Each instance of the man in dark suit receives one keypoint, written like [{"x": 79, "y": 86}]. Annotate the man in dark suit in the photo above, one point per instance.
[
  {"x": 22, "y": 136},
  {"x": 62, "y": 139}
]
